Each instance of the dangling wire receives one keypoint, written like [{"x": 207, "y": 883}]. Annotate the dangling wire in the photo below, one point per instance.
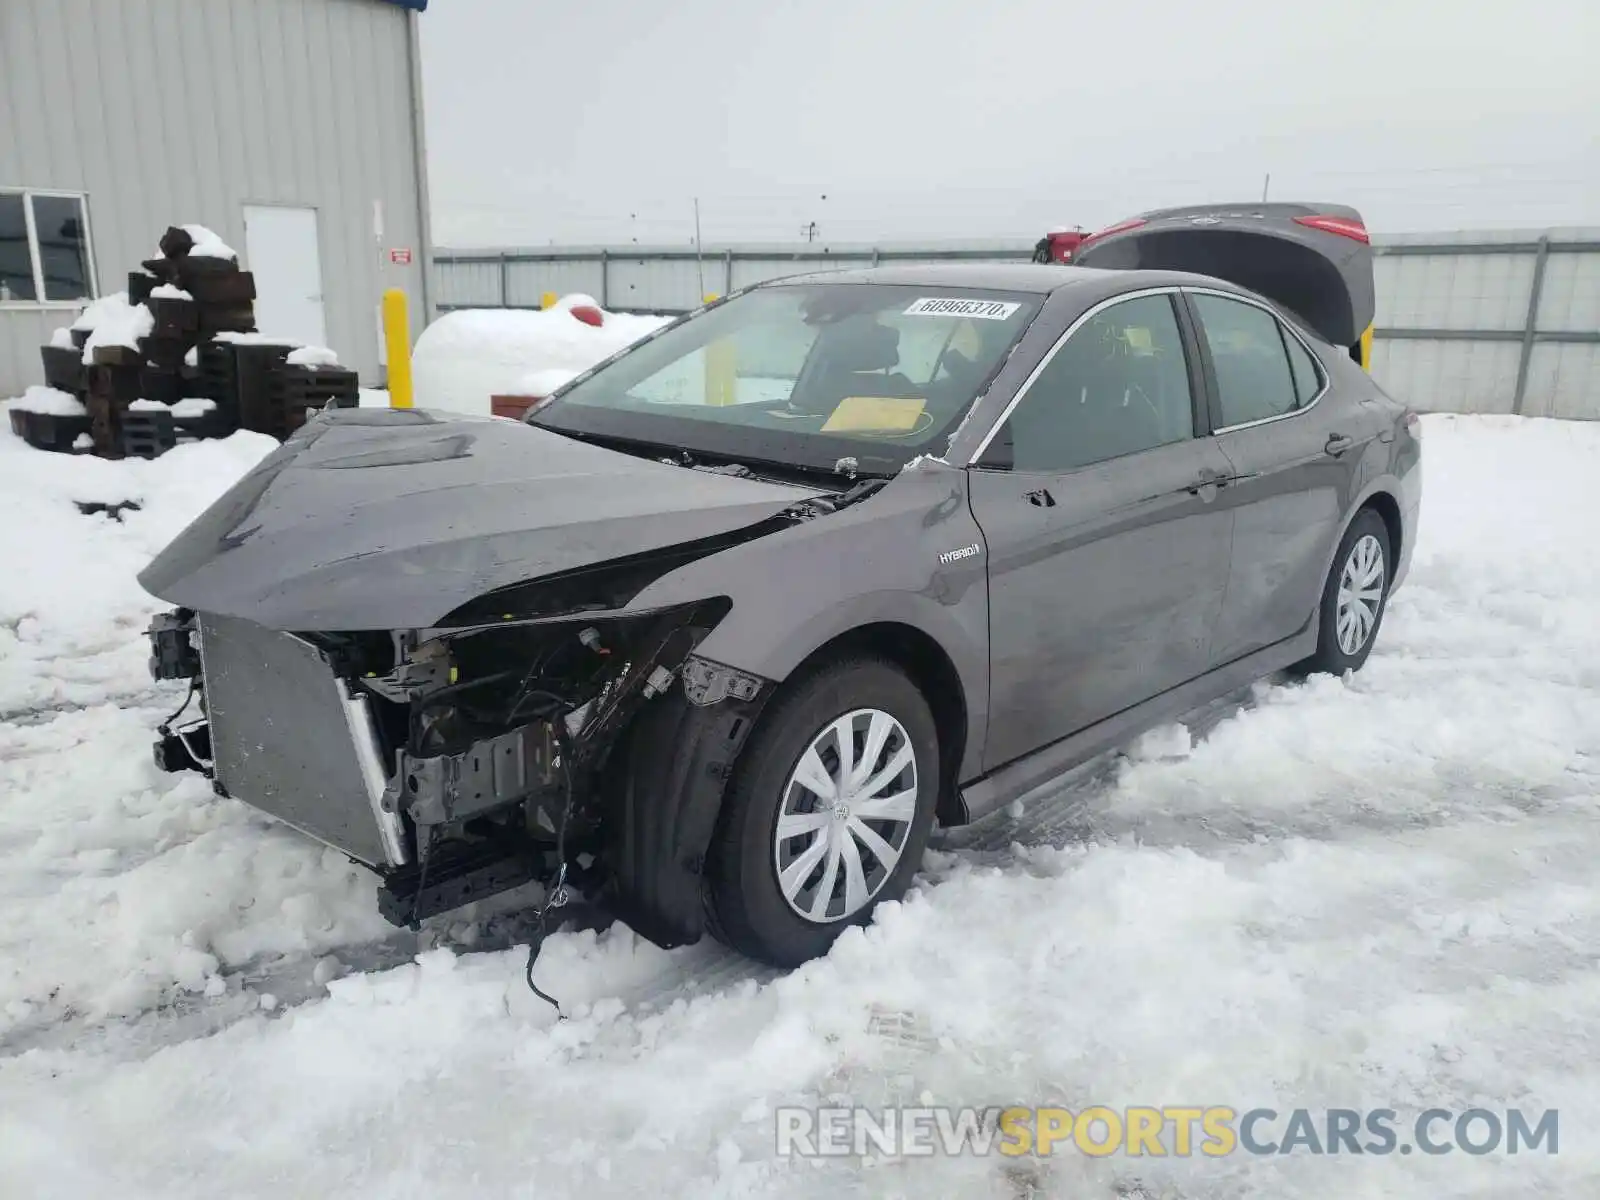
[
  {"x": 166, "y": 726},
  {"x": 424, "y": 858},
  {"x": 556, "y": 897},
  {"x": 165, "y": 730}
]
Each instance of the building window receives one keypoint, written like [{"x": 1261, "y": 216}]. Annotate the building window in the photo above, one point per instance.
[{"x": 44, "y": 248}]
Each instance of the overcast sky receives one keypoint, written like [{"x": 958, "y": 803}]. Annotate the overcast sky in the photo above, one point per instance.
[{"x": 600, "y": 121}]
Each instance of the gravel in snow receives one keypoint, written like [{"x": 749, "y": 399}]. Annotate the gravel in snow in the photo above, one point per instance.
[{"x": 1373, "y": 892}]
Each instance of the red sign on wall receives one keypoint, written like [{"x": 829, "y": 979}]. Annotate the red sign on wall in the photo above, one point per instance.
[{"x": 400, "y": 256}]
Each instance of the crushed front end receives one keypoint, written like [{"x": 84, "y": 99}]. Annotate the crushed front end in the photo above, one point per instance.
[{"x": 470, "y": 758}]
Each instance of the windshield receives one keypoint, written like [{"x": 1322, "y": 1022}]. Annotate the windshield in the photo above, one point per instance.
[{"x": 804, "y": 375}]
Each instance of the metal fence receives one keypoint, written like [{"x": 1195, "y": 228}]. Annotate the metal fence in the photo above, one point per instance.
[{"x": 1467, "y": 322}]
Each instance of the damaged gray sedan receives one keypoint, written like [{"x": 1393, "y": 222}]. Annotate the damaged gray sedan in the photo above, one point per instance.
[{"x": 723, "y": 628}]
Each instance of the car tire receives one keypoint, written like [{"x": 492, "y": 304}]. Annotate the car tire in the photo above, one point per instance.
[
  {"x": 1342, "y": 646},
  {"x": 760, "y": 890}
]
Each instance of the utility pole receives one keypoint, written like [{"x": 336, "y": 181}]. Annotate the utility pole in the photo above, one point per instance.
[
  {"x": 1265, "y": 184},
  {"x": 699, "y": 257}
]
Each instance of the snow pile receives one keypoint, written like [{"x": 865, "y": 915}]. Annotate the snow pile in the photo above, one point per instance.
[
  {"x": 190, "y": 406},
  {"x": 313, "y": 356},
  {"x": 123, "y": 886},
  {"x": 169, "y": 291},
  {"x": 49, "y": 401},
  {"x": 61, "y": 337},
  {"x": 1365, "y": 893},
  {"x": 542, "y": 382},
  {"x": 465, "y": 357},
  {"x": 252, "y": 339},
  {"x": 96, "y": 310},
  {"x": 207, "y": 244},
  {"x": 112, "y": 321},
  {"x": 69, "y": 623}
]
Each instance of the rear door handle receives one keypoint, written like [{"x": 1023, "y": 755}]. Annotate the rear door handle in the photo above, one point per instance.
[
  {"x": 1040, "y": 498},
  {"x": 1337, "y": 444}
]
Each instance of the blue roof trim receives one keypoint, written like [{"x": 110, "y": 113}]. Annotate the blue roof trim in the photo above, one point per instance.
[{"x": 413, "y": 5}]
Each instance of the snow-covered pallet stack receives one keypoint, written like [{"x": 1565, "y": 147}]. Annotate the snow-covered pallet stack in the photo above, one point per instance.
[
  {"x": 173, "y": 358},
  {"x": 272, "y": 383}
]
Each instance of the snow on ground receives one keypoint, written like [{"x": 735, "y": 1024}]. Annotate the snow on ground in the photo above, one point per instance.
[
  {"x": 465, "y": 357},
  {"x": 1373, "y": 892}
]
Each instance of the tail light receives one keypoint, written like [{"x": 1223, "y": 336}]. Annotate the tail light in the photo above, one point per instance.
[
  {"x": 1119, "y": 227},
  {"x": 1343, "y": 226}
]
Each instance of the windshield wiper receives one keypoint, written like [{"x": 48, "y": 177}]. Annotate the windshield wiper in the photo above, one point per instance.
[
  {"x": 634, "y": 446},
  {"x": 848, "y": 468}
]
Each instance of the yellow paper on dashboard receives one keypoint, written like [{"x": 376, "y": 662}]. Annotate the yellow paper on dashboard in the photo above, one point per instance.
[{"x": 875, "y": 414}]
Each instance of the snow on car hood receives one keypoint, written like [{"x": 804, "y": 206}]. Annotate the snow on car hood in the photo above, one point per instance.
[{"x": 383, "y": 519}]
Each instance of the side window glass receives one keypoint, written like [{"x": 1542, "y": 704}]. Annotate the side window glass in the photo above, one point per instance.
[
  {"x": 1253, "y": 377},
  {"x": 1307, "y": 376},
  {"x": 1118, "y": 385}
]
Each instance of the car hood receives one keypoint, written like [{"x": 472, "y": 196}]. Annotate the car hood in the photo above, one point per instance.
[{"x": 386, "y": 519}]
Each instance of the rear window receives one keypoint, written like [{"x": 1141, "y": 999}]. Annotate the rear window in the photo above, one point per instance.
[{"x": 1307, "y": 375}]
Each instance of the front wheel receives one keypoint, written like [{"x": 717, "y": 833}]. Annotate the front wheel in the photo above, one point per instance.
[
  {"x": 1353, "y": 598},
  {"x": 827, "y": 814}
]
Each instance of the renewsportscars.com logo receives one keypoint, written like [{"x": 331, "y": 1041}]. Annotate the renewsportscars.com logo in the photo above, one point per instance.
[{"x": 1169, "y": 1130}]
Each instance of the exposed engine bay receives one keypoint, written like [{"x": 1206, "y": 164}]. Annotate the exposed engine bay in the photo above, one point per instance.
[
  {"x": 538, "y": 729},
  {"x": 484, "y": 751}
]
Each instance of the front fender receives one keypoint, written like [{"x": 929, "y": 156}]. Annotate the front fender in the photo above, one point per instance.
[{"x": 876, "y": 562}]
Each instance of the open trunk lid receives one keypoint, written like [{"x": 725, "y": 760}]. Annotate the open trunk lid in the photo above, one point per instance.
[{"x": 1314, "y": 259}]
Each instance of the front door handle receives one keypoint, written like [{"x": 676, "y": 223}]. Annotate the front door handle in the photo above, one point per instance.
[
  {"x": 1337, "y": 444},
  {"x": 1040, "y": 498}
]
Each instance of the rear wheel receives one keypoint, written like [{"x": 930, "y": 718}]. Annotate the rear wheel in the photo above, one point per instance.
[
  {"x": 1353, "y": 598},
  {"x": 827, "y": 814}
]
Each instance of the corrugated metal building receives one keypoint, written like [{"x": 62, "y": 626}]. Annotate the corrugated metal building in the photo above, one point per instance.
[{"x": 293, "y": 128}]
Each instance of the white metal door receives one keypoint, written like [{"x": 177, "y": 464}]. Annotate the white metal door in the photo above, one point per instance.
[{"x": 280, "y": 246}]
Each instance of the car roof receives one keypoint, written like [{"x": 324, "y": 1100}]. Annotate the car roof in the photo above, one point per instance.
[{"x": 1035, "y": 278}]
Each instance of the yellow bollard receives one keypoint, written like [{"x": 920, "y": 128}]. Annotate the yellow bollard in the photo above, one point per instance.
[
  {"x": 397, "y": 345},
  {"x": 722, "y": 369},
  {"x": 1366, "y": 348},
  {"x": 548, "y": 300},
  {"x": 722, "y": 373}
]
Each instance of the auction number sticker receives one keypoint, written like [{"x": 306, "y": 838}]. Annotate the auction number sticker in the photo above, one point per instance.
[{"x": 982, "y": 310}]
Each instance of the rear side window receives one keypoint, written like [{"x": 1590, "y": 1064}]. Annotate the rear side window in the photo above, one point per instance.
[
  {"x": 1307, "y": 376},
  {"x": 1254, "y": 379}
]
